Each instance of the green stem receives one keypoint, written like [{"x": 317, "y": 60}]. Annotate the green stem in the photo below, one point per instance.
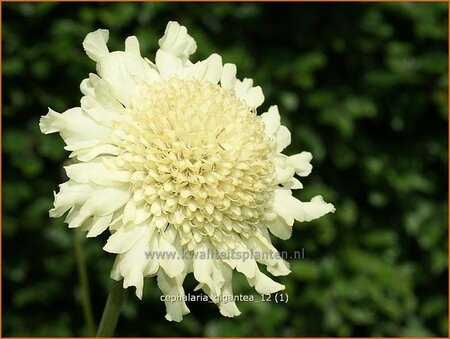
[
  {"x": 85, "y": 293},
  {"x": 116, "y": 298}
]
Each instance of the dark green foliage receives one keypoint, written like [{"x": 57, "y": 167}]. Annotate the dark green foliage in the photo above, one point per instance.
[{"x": 361, "y": 86}]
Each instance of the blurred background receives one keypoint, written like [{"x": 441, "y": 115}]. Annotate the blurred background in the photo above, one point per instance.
[{"x": 363, "y": 86}]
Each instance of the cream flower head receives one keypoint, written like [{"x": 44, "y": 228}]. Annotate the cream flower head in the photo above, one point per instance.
[{"x": 172, "y": 158}]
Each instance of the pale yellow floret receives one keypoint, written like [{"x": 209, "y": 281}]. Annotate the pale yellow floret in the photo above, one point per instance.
[{"x": 198, "y": 158}]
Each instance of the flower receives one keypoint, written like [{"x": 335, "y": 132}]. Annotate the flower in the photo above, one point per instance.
[{"x": 171, "y": 157}]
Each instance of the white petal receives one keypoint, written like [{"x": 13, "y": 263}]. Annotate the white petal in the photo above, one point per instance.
[
  {"x": 142, "y": 214},
  {"x": 138, "y": 68},
  {"x": 285, "y": 205},
  {"x": 124, "y": 239},
  {"x": 168, "y": 65},
  {"x": 171, "y": 233},
  {"x": 301, "y": 163},
  {"x": 228, "y": 76},
  {"x": 132, "y": 264},
  {"x": 80, "y": 145},
  {"x": 113, "y": 69},
  {"x": 70, "y": 194},
  {"x": 283, "y": 138},
  {"x": 245, "y": 263},
  {"x": 280, "y": 228},
  {"x": 293, "y": 184},
  {"x": 88, "y": 153},
  {"x": 73, "y": 125},
  {"x": 99, "y": 224},
  {"x": 99, "y": 91},
  {"x": 115, "y": 273},
  {"x": 263, "y": 284},
  {"x": 290, "y": 208},
  {"x": 152, "y": 266},
  {"x": 177, "y": 41},
  {"x": 173, "y": 287},
  {"x": 101, "y": 202},
  {"x": 211, "y": 273},
  {"x": 214, "y": 68},
  {"x": 129, "y": 213},
  {"x": 50, "y": 123},
  {"x": 95, "y": 44},
  {"x": 284, "y": 170},
  {"x": 267, "y": 254},
  {"x": 96, "y": 111},
  {"x": 203, "y": 266},
  {"x": 209, "y": 69},
  {"x": 279, "y": 268},
  {"x": 171, "y": 260},
  {"x": 151, "y": 254},
  {"x": 106, "y": 99},
  {"x": 87, "y": 86},
  {"x": 132, "y": 46},
  {"x": 271, "y": 120},
  {"x": 124, "y": 71},
  {"x": 254, "y": 97},
  {"x": 96, "y": 172},
  {"x": 314, "y": 209},
  {"x": 241, "y": 87},
  {"x": 72, "y": 214},
  {"x": 228, "y": 307}
]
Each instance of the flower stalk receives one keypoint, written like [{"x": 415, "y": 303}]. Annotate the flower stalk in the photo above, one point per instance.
[
  {"x": 111, "y": 313},
  {"x": 84, "y": 284}
]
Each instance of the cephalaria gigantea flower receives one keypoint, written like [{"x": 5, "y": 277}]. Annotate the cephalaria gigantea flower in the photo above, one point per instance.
[{"x": 172, "y": 158}]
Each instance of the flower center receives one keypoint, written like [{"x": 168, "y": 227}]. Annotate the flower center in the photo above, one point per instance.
[{"x": 199, "y": 158}]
